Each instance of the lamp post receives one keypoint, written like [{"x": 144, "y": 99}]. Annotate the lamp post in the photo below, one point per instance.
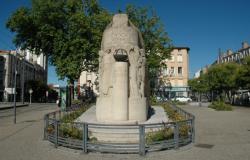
[
  {"x": 169, "y": 90},
  {"x": 22, "y": 55},
  {"x": 199, "y": 94},
  {"x": 15, "y": 70},
  {"x": 30, "y": 92}
]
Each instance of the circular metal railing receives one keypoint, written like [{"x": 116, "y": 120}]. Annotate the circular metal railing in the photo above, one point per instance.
[{"x": 147, "y": 137}]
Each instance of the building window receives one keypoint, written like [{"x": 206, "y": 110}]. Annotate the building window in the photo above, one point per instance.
[
  {"x": 172, "y": 58},
  {"x": 165, "y": 72},
  {"x": 180, "y": 94},
  {"x": 171, "y": 71},
  {"x": 179, "y": 58},
  {"x": 179, "y": 71}
]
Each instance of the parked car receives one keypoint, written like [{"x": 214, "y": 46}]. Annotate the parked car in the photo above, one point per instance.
[
  {"x": 161, "y": 99},
  {"x": 182, "y": 99}
]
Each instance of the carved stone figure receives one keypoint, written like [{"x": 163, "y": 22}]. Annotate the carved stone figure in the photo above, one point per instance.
[{"x": 122, "y": 95}]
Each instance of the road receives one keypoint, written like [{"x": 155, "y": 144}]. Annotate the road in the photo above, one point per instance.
[{"x": 219, "y": 136}]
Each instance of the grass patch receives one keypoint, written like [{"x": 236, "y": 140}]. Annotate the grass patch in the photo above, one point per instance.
[
  {"x": 220, "y": 106},
  {"x": 178, "y": 102}
]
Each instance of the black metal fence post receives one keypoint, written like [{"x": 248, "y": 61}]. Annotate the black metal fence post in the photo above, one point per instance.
[
  {"x": 193, "y": 130},
  {"x": 142, "y": 140},
  {"x": 46, "y": 123},
  {"x": 60, "y": 115},
  {"x": 56, "y": 133},
  {"x": 176, "y": 135},
  {"x": 85, "y": 138}
]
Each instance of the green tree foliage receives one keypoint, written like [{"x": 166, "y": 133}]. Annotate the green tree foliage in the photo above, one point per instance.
[
  {"x": 220, "y": 79},
  {"x": 156, "y": 41},
  {"x": 243, "y": 79},
  {"x": 39, "y": 90},
  {"x": 68, "y": 31},
  {"x": 200, "y": 84}
]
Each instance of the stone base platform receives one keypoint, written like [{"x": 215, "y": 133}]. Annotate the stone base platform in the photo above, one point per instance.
[{"x": 119, "y": 131}]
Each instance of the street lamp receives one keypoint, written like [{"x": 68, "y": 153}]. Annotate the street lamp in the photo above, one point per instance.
[
  {"x": 22, "y": 55},
  {"x": 15, "y": 70},
  {"x": 30, "y": 92},
  {"x": 199, "y": 94}
]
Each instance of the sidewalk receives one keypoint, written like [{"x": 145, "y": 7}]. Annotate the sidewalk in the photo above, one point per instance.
[
  {"x": 219, "y": 136},
  {"x": 8, "y": 105}
]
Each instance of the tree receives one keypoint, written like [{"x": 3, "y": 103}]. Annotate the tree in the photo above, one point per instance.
[
  {"x": 69, "y": 32},
  {"x": 200, "y": 85},
  {"x": 243, "y": 78},
  {"x": 222, "y": 78},
  {"x": 39, "y": 90},
  {"x": 157, "y": 43}
]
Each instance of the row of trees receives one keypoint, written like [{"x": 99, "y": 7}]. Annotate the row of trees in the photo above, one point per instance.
[
  {"x": 223, "y": 80},
  {"x": 39, "y": 89},
  {"x": 69, "y": 32}
]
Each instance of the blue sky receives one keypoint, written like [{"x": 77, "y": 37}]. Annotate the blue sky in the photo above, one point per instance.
[{"x": 202, "y": 25}]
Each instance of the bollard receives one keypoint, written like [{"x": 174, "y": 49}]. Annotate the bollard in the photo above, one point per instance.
[
  {"x": 85, "y": 138},
  {"x": 142, "y": 140},
  {"x": 193, "y": 130},
  {"x": 56, "y": 133},
  {"x": 176, "y": 135}
]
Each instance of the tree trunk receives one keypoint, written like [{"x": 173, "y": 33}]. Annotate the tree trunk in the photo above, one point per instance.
[
  {"x": 71, "y": 91},
  {"x": 228, "y": 93}
]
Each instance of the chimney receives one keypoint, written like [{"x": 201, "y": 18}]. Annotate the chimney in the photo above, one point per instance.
[
  {"x": 229, "y": 52},
  {"x": 245, "y": 45}
]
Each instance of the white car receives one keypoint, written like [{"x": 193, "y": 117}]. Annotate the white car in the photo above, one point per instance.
[
  {"x": 182, "y": 99},
  {"x": 161, "y": 99}
]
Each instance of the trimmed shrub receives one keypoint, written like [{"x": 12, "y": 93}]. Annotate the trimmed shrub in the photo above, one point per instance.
[
  {"x": 220, "y": 106},
  {"x": 160, "y": 135},
  {"x": 178, "y": 102},
  {"x": 69, "y": 130}
]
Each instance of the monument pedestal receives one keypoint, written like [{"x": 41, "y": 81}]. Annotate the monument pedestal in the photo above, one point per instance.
[
  {"x": 104, "y": 109},
  {"x": 137, "y": 109},
  {"x": 119, "y": 131},
  {"x": 120, "y": 90}
]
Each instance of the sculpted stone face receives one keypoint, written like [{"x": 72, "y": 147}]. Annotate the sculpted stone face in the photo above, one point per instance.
[{"x": 121, "y": 73}]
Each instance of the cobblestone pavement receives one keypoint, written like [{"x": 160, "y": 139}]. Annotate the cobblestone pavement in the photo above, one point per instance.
[{"x": 219, "y": 136}]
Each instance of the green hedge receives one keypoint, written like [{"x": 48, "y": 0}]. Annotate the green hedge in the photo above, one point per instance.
[{"x": 220, "y": 106}]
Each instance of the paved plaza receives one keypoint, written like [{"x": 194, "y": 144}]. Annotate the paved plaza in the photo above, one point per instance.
[{"x": 219, "y": 136}]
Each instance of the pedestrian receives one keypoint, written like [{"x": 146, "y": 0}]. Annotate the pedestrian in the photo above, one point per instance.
[{"x": 58, "y": 102}]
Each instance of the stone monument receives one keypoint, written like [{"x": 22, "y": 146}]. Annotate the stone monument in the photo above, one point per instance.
[{"x": 122, "y": 81}]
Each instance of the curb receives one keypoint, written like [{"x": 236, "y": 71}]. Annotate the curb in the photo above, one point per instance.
[{"x": 12, "y": 106}]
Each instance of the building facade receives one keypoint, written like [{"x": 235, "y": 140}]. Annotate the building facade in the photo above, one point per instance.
[
  {"x": 27, "y": 69},
  {"x": 87, "y": 84},
  {"x": 237, "y": 56},
  {"x": 173, "y": 80},
  {"x": 228, "y": 56}
]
